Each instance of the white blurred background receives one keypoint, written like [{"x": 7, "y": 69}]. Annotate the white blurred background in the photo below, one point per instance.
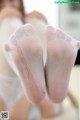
[{"x": 47, "y": 7}]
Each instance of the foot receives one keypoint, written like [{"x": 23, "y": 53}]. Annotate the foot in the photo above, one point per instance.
[
  {"x": 26, "y": 51},
  {"x": 62, "y": 52}
]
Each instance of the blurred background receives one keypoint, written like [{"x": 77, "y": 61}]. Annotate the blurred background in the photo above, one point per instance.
[{"x": 67, "y": 17}]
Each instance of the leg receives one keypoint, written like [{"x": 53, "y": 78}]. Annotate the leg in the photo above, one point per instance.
[
  {"x": 20, "y": 110},
  {"x": 62, "y": 52},
  {"x": 7, "y": 27},
  {"x": 2, "y": 105}
]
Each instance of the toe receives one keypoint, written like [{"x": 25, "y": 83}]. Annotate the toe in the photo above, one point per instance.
[{"x": 50, "y": 33}]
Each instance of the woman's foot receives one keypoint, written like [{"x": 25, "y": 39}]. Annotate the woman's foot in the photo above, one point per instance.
[
  {"x": 26, "y": 50},
  {"x": 62, "y": 52}
]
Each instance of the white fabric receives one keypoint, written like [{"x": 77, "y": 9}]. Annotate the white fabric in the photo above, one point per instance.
[
  {"x": 10, "y": 87},
  {"x": 10, "y": 90}
]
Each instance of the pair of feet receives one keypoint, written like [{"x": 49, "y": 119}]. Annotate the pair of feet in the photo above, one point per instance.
[{"x": 27, "y": 53}]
